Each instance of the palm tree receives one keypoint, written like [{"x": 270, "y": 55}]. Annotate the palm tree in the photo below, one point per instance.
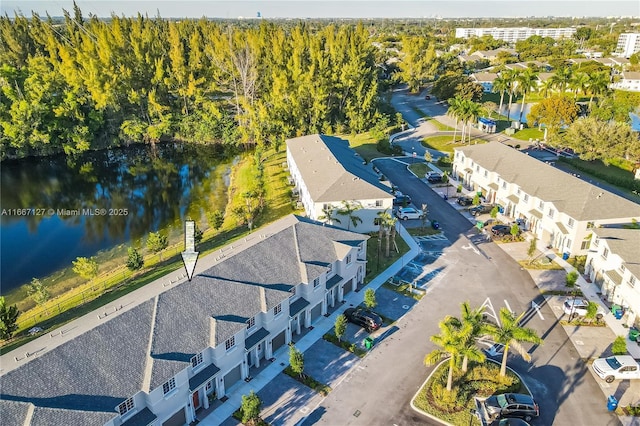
[
  {"x": 327, "y": 214},
  {"x": 450, "y": 344},
  {"x": 526, "y": 83},
  {"x": 579, "y": 83},
  {"x": 561, "y": 78},
  {"x": 386, "y": 222},
  {"x": 510, "y": 77},
  {"x": 390, "y": 233},
  {"x": 510, "y": 334},
  {"x": 348, "y": 209},
  {"x": 546, "y": 87},
  {"x": 500, "y": 85},
  {"x": 471, "y": 113},
  {"x": 598, "y": 84},
  {"x": 472, "y": 321},
  {"x": 454, "y": 111}
]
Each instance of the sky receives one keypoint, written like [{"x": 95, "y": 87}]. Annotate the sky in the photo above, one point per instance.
[{"x": 330, "y": 9}]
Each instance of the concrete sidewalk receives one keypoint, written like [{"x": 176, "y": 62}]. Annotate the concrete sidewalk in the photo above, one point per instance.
[{"x": 324, "y": 324}]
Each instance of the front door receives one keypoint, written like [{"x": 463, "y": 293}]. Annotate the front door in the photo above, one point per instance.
[{"x": 196, "y": 400}]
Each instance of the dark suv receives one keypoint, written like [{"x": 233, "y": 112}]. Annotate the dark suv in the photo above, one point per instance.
[
  {"x": 501, "y": 230},
  {"x": 511, "y": 405},
  {"x": 481, "y": 209},
  {"x": 402, "y": 200},
  {"x": 434, "y": 178},
  {"x": 366, "y": 319},
  {"x": 465, "y": 201}
]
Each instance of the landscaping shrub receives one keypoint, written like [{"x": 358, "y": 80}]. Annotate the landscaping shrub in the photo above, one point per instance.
[
  {"x": 571, "y": 278},
  {"x": 619, "y": 346}
]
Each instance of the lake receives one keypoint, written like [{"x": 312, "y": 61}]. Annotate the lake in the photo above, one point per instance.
[{"x": 82, "y": 205}]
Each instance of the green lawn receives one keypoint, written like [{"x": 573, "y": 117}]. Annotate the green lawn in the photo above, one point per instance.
[
  {"x": 445, "y": 143},
  {"x": 420, "y": 169},
  {"x": 365, "y": 144},
  {"x": 440, "y": 126},
  {"x": 377, "y": 264},
  {"x": 529, "y": 133}
]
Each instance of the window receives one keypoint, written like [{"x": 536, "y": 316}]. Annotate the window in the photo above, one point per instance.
[
  {"x": 477, "y": 168},
  {"x": 251, "y": 322},
  {"x": 552, "y": 212},
  {"x": 518, "y": 191},
  {"x": 504, "y": 185},
  {"x": 196, "y": 360},
  {"x": 169, "y": 385},
  {"x": 277, "y": 309},
  {"x": 209, "y": 385},
  {"x": 316, "y": 282},
  {"x": 541, "y": 205},
  {"x": 330, "y": 270},
  {"x": 596, "y": 242},
  {"x": 632, "y": 281},
  {"x": 622, "y": 269},
  {"x": 570, "y": 223},
  {"x": 348, "y": 259},
  {"x": 526, "y": 197},
  {"x": 605, "y": 253},
  {"x": 378, "y": 203},
  {"x": 589, "y": 225},
  {"x": 230, "y": 343},
  {"x": 568, "y": 243},
  {"x": 126, "y": 406},
  {"x": 585, "y": 245},
  {"x": 486, "y": 173}
]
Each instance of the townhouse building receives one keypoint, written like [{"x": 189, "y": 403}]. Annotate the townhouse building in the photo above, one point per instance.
[
  {"x": 613, "y": 263},
  {"x": 560, "y": 209},
  {"x": 485, "y": 79},
  {"x": 326, "y": 172},
  {"x": 173, "y": 351},
  {"x": 629, "y": 80}
]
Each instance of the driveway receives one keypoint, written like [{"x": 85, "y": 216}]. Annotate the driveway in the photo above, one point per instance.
[{"x": 328, "y": 363}]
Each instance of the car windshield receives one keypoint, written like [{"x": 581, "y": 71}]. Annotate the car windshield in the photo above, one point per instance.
[
  {"x": 613, "y": 363},
  {"x": 502, "y": 400}
]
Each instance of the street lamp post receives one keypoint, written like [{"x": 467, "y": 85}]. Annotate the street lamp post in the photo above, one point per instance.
[{"x": 378, "y": 265}]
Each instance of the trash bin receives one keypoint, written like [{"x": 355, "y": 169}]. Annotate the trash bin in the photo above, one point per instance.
[
  {"x": 612, "y": 403},
  {"x": 445, "y": 196},
  {"x": 618, "y": 314},
  {"x": 368, "y": 344},
  {"x": 565, "y": 256},
  {"x": 633, "y": 334}
]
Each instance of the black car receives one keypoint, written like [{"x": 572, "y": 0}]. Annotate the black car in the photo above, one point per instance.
[
  {"x": 402, "y": 200},
  {"x": 481, "y": 209},
  {"x": 434, "y": 178},
  {"x": 465, "y": 201},
  {"x": 366, "y": 319},
  {"x": 501, "y": 230},
  {"x": 511, "y": 405}
]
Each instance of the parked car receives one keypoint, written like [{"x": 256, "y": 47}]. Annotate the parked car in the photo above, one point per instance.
[
  {"x": 616, "y": 367},
  {"x": 511, "y": 405},
  {"x": 575, "y": 305},
  {"x": 409, "y": 213},
  {"x": 481, "y": 209},
  {"x": 501, "y": 230},
  {"x": 427, "y": 97},
  {"x": 365, "y": 319},
  {"x": 434, "y": 178},
  {"x": 402, "y": 200},
  {"x": 465, "y": 201}
]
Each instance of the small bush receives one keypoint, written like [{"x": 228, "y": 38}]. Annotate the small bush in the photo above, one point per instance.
[
  {"x": 571, "y": 278},
  {"x": 619, "y": 346}
]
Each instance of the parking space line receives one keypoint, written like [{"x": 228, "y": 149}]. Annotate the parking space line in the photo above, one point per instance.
[{"x": 508, "y": 307}]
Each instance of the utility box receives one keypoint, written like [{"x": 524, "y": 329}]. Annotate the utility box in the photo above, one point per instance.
[{"x": 368, "y": 343}]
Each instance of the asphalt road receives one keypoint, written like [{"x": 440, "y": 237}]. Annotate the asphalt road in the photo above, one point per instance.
[{"x": 379, "y": 390}]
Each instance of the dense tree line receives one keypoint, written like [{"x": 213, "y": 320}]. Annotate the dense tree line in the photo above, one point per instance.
[{"x": 88, "y": 83}]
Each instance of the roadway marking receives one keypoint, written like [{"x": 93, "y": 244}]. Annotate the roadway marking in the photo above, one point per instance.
[
  {"x": 535, "y": 306},
  {"x": 471, "y": 247},
  {"x": 508, "y": 307}
]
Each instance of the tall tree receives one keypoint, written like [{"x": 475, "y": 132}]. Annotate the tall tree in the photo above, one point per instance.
[
  {"x": 418, "y": 61},
  {"x": 348, "y": 209},
  {"x": 296, "y": 360},
  {"x": 156, "y": 242},
  {"x": 598, "y": 85},
  {"x": 86, "y": 267},
  {"x": 510, "y": 77},
  {"x": 450, "y": 343},
  {"x": 500, "y": 85},
  {"x": 511, "y": 335},
  {"x": 554, "y": 112},
  {"x": 8, "y": 319},
  {"x": 472, "y": 323},
  {"x": 527, "y": 81},
  {"x": 340, "y": 326},
  {"x": 327, "y": 214}
]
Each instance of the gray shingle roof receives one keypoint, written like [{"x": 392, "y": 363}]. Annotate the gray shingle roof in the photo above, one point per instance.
[
  {"x": 83, "y": 380},
  {"x": 624, "y": 243},
  {"x": 13, "y": 413},
  {"x": 573, "y": 196},
  {"x": 96, "y": 371},
  {"x": 333, "y": 172}
]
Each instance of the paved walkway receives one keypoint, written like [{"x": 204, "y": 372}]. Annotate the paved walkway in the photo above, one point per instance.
[{"x": 323, "y": 325}]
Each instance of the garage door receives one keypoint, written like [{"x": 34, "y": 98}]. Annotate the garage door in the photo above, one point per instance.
[
  {"x": 232, "y": 377},
  {"x": 316, "y": 312},
  {"x": 178, "y": 419},
  {"x": 278, "y": 341},
  {"x": 347, "y": 287}
]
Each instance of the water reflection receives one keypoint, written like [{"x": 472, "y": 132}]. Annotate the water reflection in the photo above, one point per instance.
[{"x": 157, "y": 188}]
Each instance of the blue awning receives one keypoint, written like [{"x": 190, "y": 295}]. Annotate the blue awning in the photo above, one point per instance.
[
  {"x": 298, "y": 306},
  {"x": 333, "y": 281}
]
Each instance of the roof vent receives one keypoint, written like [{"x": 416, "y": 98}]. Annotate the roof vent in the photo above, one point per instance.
[
  {"x": 356, "y": 178},
  {"x": 600, "y": 195}
]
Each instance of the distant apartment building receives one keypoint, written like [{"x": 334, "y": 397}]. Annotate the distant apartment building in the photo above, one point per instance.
[
  {"x": 560, "y": 209},
  {"x": 628, "y": 44},
  {"x": 511, "y": 35}
]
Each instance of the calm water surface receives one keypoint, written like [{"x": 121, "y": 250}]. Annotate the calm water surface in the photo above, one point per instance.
[{"x": 100, "y": 200}]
